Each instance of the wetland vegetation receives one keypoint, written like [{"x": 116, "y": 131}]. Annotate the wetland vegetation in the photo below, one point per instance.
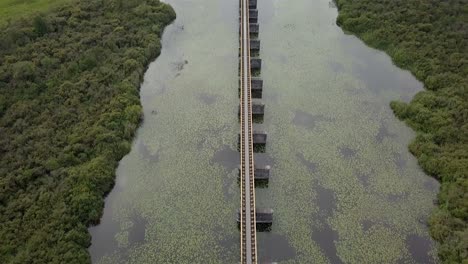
[
  {"x": 428, "y": 37},
  {"x": 344, "y": 187},
  {"x": 69, "y": 107}
]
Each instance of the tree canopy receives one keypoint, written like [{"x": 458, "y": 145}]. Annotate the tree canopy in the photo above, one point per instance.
[{"x": 69, "y": 106}]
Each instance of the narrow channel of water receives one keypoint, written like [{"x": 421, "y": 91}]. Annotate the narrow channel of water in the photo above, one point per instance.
[
  {"x": 176, "y": 194},
  {"x": 344, "y": 187}
]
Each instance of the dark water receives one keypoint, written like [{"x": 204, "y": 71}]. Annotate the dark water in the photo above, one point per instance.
[{"x": 343, "y": 186}]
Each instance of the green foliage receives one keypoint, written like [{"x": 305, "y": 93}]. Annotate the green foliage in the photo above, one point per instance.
[
  {"x": 40, "y": 26},
  {"x": 428, "y": 37},
  {"x": 69, "y": 107},
  {"x": 24, "y": 70},
  {"x": 11, "y": 9}
]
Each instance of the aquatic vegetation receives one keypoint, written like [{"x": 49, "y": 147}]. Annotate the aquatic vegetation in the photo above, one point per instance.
[
  {"x": 428, "y": 37},
  {"x": 189, "y": 196},
  {"x": 327, "y": 97},
  {"x": 337, "y": 189}
]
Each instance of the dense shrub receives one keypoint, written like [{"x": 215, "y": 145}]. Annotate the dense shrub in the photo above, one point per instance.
[
  {"x": 428, "y": 37},
  {"x": 69, "y": 106}
]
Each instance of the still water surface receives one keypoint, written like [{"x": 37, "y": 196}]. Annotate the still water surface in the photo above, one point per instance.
[{"x": 344, "y": 188}]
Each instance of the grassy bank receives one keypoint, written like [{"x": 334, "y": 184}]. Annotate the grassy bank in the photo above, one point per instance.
[
  {"x": 428, "y": 37},
  {"x": 11, "y": 9},
  {"x": 69, "y": 107}
]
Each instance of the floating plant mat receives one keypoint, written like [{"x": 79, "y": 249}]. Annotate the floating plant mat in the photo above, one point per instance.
[
  {"x": 344, "y": 187},
  {"x": 176, "y": 194}
]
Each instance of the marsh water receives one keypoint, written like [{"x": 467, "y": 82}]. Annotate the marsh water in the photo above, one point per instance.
[{"x": 343, "y": 187}]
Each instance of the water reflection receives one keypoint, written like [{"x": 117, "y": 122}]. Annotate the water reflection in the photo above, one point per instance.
[
  {"x": 326, "y": 239},
  {"x": 207, "y": 99},
  {"x": 275, "y": 247},
  {"x": 325, "y": 201},
  {"x": 146, "y": 153},
  {"x": 347, "y": 152},
  {"x": 311, "y": 166},
  {"x": 306, "y": 120},
  {"x": 227, "y": 157},
  {"x": 419, "y": 248},
  {"x": 383, "y": 133},
  {"x": 137, "y": 230}
]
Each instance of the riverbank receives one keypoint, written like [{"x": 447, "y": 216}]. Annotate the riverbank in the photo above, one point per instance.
[
  {"x": 428, "y": 38},
  {"x": 69, "y": 108}
]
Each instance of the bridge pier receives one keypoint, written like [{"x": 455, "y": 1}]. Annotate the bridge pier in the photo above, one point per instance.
[
  {"x": 263, "y": 216},
  {"x": 254, "y": 45},
  {"x": 259, "y": 137},
  {"x": 253, "y": 16},
  {"x": 256, "y": 64},
  {"x": 253, "y": 28},
  {"x": 258, "y": 110},
  {"x": 256, "y": 87},
  {"x": 259, "y": 140},
  {"x": 252, "y": 4},
  {"x": 262, "y": 174}
]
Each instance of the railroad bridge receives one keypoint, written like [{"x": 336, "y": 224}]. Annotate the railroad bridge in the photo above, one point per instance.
[{"x": 248, "y": 215}]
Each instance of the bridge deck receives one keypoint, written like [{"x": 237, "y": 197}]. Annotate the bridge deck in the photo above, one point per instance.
[{"x": 247, "y": 212}]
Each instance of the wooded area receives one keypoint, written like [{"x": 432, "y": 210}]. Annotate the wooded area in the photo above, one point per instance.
[
  {"x": 428, "y": 37},
  {"x": 69, "y": 107}
]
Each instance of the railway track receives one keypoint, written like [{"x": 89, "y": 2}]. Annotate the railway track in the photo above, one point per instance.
[{"x": 247, "y": 214}]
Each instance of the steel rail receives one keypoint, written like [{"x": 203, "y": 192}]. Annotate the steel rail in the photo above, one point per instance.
[{"x": 247, "y": 214}]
